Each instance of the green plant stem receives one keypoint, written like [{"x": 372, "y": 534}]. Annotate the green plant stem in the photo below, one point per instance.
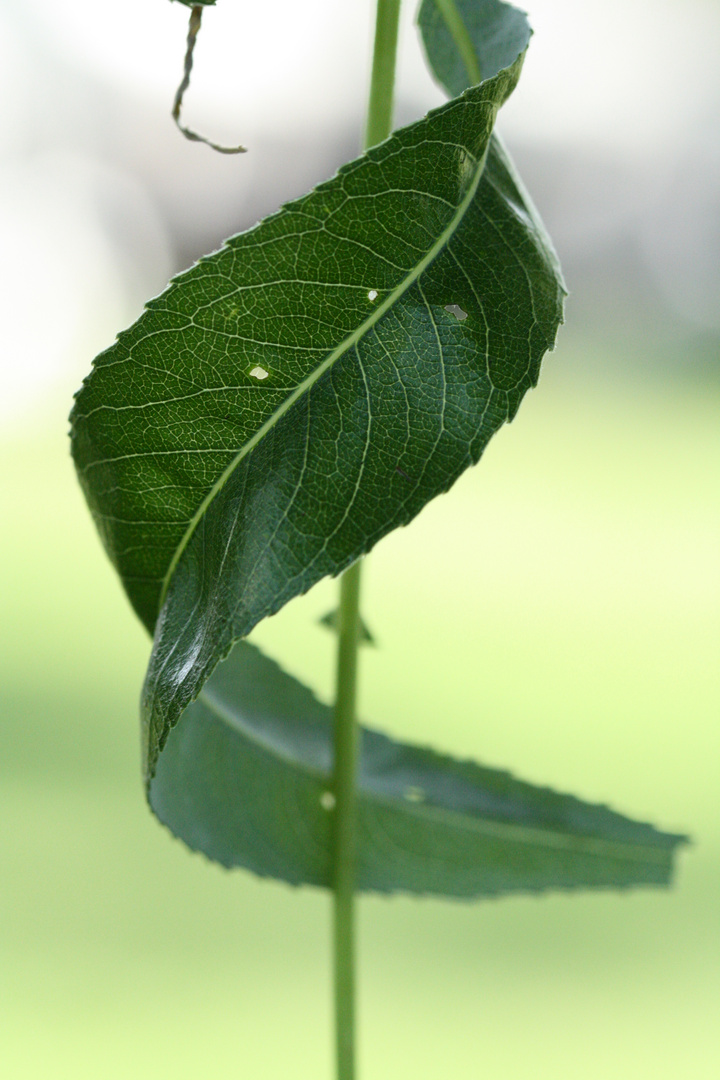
[
  {"x": 382, "y": 82},
  {"x": 379, "y": 125},
  {"x": 345, "y": 769}
]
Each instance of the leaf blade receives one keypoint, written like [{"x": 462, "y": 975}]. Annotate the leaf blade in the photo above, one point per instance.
[
  {"x": 184, "y": 336},
  {"x": 298, "y": 394},
  {"x": 466, "y": 41},
  {"x": 244, "y": 775},
  {"x": 324, "y": 488}
]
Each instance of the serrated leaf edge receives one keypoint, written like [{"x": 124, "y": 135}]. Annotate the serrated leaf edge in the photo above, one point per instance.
[{"x": 338, "y": 352}]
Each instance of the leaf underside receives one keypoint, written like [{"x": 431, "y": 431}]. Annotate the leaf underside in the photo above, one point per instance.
[
  {"x": 281, "y": 407},
  {"x": 246, "y": 778},
  {"x": 494, "y": 32}
]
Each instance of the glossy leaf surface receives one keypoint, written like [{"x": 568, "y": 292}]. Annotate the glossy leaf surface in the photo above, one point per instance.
[
  {"x": 281, "y": 407},
  {"x": 294, "y": 397},
  {"x": 245, "y": 778}
]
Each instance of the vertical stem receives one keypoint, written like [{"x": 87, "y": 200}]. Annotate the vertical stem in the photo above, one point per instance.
[
  {"x": 382, "y": 82},
  {"x": 345, "y": 768},
  {"x": 379, "y": 125}
]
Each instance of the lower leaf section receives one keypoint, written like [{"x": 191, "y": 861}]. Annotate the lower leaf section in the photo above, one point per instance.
[{"x": 245, "y": 777}]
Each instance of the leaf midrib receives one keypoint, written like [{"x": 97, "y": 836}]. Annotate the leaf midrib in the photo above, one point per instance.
[
  {"x": 520, "y": 834},
  {"x": 338, "y": 352}
]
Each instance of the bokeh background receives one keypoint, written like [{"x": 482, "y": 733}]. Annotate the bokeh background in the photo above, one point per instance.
[{"x": 556, "y": 613}]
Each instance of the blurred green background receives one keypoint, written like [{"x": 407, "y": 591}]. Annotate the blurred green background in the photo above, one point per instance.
[{"x": 556, "y": 613}]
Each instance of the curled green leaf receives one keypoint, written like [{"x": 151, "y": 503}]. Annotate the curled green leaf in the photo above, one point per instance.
[
  {"x": 305, "y": 390},
  {"x": 467, "y": 41},
  {"x": 280, "y": 408}
]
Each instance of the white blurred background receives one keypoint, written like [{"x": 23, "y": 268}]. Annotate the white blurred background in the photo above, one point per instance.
[{"x": 615, "y": 122}]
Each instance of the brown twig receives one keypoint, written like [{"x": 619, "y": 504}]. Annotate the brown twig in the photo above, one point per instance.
[{"x": 193, "y": 30}]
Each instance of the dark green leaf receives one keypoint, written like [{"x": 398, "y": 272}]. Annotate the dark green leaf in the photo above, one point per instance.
[
  {"x": 294, "y": 397},
  {"x": 467, "y": 41},
  {"x": 245, "y": 778},
  {"x": 279, "y": 409}
]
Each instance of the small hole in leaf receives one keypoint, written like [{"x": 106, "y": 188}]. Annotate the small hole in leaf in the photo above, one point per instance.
[
  {"x": 372, "y": 295},
  {"x": 327, "y": 800},
  {"x": 457, "y": 311},
  {"x": 259, "y": 373},
  {"x": 414, "y": 794}
]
